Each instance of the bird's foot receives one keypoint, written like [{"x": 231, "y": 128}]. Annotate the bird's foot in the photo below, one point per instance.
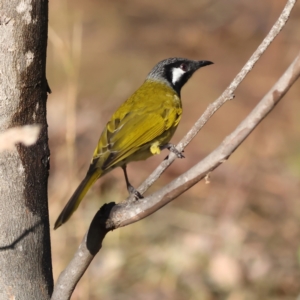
[
  {"x": 173, "y": 149},
  {"x": 132, "y": 191}
]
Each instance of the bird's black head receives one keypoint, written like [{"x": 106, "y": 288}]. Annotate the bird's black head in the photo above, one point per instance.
[{"x": 176, "y": 71}]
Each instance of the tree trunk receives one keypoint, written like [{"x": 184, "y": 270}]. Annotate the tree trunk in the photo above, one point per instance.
[{"x": 25, "y": 255}]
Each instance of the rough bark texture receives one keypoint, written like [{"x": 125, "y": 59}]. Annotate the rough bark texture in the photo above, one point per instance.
[{"x": 25, "y": 257}]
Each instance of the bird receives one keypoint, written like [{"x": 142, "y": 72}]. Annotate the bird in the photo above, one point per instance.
[{"x": 141, "y": 127}]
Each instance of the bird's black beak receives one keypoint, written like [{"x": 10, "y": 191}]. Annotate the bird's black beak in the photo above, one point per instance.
[{"x": 203, "y": 63}]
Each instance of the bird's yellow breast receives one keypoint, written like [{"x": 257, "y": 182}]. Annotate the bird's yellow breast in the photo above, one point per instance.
[
  {"x": 161, "y": 100},
  {"x": 152, "y": 96}
]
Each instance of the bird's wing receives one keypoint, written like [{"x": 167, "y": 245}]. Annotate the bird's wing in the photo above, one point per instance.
[{"x": 121, "y": 138}]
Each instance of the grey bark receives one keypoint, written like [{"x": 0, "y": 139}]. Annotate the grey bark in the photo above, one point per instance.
[{"x": 25, "y": 257}]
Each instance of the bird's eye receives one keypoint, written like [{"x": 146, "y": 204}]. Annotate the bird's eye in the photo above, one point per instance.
[{"x": 183, "y": 67}]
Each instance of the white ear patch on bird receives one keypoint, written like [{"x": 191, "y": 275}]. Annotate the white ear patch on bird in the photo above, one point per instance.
[{"x": 177, "y": 74}]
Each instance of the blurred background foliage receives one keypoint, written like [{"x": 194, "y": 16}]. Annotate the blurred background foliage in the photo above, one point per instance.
[{"x": 235, "y": 238}]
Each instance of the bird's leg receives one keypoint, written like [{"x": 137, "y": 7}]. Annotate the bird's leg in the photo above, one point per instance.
[
  {"x": 131, "y": 190},
  {"x": 172, "y": 148}
]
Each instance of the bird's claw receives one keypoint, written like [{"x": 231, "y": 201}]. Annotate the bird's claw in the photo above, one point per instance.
[
  {"x": 172, "y": 148},
  {"x": 132, "y": 191}
]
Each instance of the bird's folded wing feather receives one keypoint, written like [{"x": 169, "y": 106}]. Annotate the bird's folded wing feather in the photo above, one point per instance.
[{"x": 121, "y": 138}]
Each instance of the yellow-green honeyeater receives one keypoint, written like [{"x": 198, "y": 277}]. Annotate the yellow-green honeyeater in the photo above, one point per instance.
[{"x": 142, "y": 126}]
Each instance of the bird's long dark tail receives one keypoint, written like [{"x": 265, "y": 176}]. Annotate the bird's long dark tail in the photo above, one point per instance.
[{"x": 76, "y": 198}]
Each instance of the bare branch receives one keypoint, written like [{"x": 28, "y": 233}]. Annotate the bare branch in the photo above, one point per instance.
[
  {"x": 228, "y": 94},
  {"x": 88, "y": 248}
]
